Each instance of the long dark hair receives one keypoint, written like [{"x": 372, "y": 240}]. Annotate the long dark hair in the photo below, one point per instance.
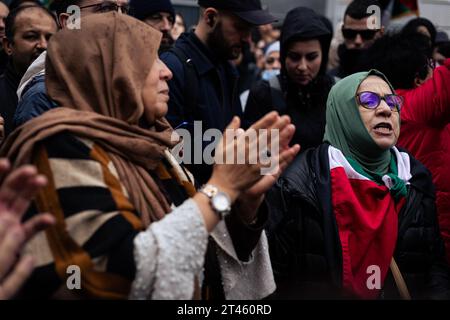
[{"x": 302, "y": 24}]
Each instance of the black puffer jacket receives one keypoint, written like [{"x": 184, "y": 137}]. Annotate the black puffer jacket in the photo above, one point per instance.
[
  {"x": 304, "y": 242},
  {"x": 306, "y": 105}
]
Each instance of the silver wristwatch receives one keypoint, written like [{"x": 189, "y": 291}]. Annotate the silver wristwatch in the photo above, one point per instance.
[{"x": 220, "y": 201}]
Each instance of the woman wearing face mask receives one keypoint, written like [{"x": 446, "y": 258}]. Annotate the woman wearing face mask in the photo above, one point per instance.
[
  {"x": 128, "y": 216},
  {"x": 301, "y": 89},
  {"x": 272, "y": 64},
  {"x": 270, "y": 70},
  {"x": 356, "y": 217}
]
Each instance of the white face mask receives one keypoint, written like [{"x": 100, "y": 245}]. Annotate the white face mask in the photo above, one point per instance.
[{"x": 269, "y": 74}]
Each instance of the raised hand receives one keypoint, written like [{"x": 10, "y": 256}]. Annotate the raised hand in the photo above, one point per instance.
[
  {"x": 248, "y": 181},
  {"x": 16, "y": 193},
  {"x": 251, "y": 199}
]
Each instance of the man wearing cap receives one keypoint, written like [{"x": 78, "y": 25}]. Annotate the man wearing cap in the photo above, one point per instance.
[
  {"x": 157, "y": 13},
  {"x": 223, "y": 29}
]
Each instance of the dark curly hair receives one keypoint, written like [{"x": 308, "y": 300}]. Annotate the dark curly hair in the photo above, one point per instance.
[
  {"x": 412, "y": 25},
  {"x": 357, "y": 9},
  {"x": 401, "y": 58}
]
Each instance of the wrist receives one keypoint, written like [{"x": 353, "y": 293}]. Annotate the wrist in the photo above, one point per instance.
[
  {"x": 248, "y": 207},
  {"x": 219, "y": 201},
  {"x": 233, "y": 194}
]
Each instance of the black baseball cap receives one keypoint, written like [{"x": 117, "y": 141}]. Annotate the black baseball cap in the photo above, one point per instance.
[{"x": 248, "y": 10}]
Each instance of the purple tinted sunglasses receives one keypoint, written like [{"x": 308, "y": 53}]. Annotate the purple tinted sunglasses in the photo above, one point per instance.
[{"x": 372, "y": 100}]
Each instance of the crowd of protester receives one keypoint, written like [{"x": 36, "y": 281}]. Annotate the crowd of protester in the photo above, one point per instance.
[{"x": 89, "y": 117}]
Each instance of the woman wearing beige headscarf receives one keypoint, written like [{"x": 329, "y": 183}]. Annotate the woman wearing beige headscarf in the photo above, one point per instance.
[{"x": 113, "y": 181}]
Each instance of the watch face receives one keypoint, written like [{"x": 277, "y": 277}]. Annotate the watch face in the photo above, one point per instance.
[{"x": 221, "y": 202}]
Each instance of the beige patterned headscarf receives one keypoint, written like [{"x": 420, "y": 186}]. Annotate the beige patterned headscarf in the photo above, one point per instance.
[{"x": 96, "y": 75}]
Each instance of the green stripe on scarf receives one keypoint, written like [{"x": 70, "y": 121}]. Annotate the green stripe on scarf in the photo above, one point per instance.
[{"x": 398, "y": 189}]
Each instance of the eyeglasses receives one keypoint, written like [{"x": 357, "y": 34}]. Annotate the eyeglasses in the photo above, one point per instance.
[
  {"x": 351, "y": 34},
  {"x": 108, "y": 7},
  {"x": 371, "y": 100}
]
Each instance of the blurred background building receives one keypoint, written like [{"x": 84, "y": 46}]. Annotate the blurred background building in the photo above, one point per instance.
[{"x": 438, "y": 11}]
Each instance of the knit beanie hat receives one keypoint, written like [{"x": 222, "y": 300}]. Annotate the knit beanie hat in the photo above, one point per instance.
[{"x": 141, "y": 9}]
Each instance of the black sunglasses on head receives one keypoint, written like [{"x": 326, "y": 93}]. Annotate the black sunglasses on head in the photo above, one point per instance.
[{"x": 350, "y": 34}]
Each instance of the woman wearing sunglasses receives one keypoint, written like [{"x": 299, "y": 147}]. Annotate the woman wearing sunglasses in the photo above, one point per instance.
[
  {"x": 301, "y": 88},
  {"x": 356, "y": 218}
]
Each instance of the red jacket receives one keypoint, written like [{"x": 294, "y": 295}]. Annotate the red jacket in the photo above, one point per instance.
[{"x": 425, "y": 132}]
